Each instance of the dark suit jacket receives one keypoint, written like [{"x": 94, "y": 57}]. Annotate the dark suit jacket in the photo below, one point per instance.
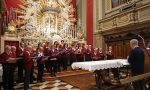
[{"x": 136, "y": 60}]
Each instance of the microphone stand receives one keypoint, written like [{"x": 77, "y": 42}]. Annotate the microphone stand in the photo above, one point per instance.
[{"x": 144, "y": 45}]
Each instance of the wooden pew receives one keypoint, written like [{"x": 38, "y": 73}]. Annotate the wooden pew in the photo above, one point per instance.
[{"x": 134, "y": 78}]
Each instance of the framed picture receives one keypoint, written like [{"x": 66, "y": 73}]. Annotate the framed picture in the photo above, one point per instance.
[
  {"x": 122, "y": 1},
  {"x": 115, "y": 3}
]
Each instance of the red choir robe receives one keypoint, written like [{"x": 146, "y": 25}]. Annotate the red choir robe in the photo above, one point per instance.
[
  {"x": 13, "y": 55},
  {"x": 28, "y": 62},
  {"x": 79, "y": 54},
  {"x": 102, "y": 56},
  {"x": 110, "y": 55},
  {"x": 96, "y": 56},
  {"x": 41, "y": 59},
  {"x": 88, "y": 54},
  {"x": 65, "y": 53},
  {"x": 72, "y": 54},
  {"x": 3, "y": 60},
  {"x": 46, "y": 50},
  {"x": 53, "y": 55},
  {"x": 19, "y": 52}
]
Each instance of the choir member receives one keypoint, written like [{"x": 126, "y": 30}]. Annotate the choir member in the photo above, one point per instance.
[
  {"x": 28, "y": 63},
  {"x": 110, "y": 56},
  {"x": 8, "y": 68},
  {"x": 62, "y": 43},
  {"x": 96, "y": 55},
  {"x": 72, "y": 54},
  {"x": 65, "y": 57},
  {"x": 109, "y": 53},
  {"x": 19, "y": 53},
  {"x": 32, "y": 77},
  {"x": 88, "y": 53},
  {"x": 46, "y": 52},
  {"x": 13, "y": 51},
  {"x": 40, "y": 65},
  {"x": 100, "y": 51},
  {"x": 61, "y": 54},
  {"x": 79, "y": 54},
  {"x": 53, "y": 61},
  {"x": 59, "y": 57}
]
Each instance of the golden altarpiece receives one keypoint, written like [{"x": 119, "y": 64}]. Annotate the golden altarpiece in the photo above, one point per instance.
[{"x": 41, "y": 21}]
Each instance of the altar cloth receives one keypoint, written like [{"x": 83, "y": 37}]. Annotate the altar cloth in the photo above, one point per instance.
[{"x": 100, "y": 65}]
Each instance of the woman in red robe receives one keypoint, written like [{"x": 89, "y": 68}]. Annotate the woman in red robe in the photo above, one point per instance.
[{"x": 28, "y": 63}]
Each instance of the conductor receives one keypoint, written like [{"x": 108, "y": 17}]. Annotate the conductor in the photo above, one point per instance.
[{"x": 136, "y": 60}]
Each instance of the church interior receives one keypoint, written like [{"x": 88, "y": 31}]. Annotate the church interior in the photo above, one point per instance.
[{"x": 74, "y": 44}]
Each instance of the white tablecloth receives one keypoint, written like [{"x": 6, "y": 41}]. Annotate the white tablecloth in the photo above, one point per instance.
[{"x": 100, "y": 65}]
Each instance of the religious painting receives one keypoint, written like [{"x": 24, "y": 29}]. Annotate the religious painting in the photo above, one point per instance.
[
  {"x": 123, "y": 1},
  {"x": 115, "y": 3}
]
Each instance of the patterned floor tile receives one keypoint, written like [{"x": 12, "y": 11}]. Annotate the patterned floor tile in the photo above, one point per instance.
[{"x": 51, "y": 83}]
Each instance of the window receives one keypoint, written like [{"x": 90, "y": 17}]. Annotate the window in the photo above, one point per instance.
[{"x": 116, "y": 3}]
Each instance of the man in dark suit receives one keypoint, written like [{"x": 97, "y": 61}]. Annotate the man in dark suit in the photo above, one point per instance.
[{"x": 136, "y": 60}]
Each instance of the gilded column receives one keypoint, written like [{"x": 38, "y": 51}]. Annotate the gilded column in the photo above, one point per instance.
[{"x": 108, "y": 5}]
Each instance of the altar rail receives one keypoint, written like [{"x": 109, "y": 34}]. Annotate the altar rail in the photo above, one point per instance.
[{"x": 135, "y": 78}]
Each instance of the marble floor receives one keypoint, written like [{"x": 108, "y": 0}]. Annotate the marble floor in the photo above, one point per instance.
[{"x": 52, "y": 83}]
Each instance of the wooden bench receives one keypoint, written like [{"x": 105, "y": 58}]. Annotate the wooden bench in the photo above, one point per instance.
[{"x": 134, "y": 78}]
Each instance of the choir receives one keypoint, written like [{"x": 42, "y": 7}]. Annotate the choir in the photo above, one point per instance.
[{"x": 54, "y": 57}]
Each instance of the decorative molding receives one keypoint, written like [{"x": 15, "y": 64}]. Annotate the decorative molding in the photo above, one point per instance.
[
  {"x": 108, "y": 24},
  {"x": 144, "y": 14},
  {"x": 4, "y": 38},
  {"x": 145, "y": 32},
  {"x": 132, "y": 18}
]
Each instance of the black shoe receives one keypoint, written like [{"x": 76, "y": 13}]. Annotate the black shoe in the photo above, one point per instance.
[
  {"x": 51, "y": 75},
  {"x": 19, "y": 81},
  {"x": 42, "y": 81},
  {"x": 54, "y": 75},
  {"x": 32, "y": 82}
]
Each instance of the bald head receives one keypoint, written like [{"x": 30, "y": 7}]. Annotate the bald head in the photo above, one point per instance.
[{"x": 134, "y": 43}]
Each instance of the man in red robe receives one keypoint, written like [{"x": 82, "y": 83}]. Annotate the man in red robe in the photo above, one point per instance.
[{"x": 8, "y": 68}]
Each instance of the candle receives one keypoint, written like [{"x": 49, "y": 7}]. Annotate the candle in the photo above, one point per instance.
[
  {"x": 56, "y": 24},
  {"x": 75, "y": 31}
]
